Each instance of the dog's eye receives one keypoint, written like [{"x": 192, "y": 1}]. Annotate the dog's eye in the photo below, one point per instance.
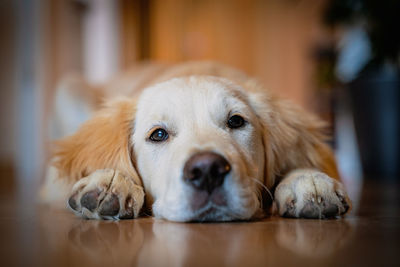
[
  {"x": 235, "y": 121},
  {"x": 159, "y": 135}
]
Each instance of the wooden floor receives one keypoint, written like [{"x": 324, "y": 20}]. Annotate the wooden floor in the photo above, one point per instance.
[{"x": 33, "y": 235}]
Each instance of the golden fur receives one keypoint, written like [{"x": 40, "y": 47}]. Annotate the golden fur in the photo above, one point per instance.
[{"x": 292, "y": 138}]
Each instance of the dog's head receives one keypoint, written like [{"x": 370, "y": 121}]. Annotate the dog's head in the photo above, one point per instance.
[
  {"x": 205, "y": 148},
  {"x": 199, "y": 149}
]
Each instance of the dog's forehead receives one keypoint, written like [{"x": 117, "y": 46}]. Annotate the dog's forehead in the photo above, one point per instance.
[{"x": 187, "y": 93}]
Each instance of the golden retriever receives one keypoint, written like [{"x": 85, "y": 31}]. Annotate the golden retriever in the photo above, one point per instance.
[{"x": 196, "y": 142}]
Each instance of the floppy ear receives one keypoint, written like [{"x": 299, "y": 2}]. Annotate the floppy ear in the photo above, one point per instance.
[
  {"x": 293, "y": 138},
  {"x": 102, "y": 142}
]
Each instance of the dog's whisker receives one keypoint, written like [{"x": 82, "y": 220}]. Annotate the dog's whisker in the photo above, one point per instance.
[
  {"x": 259, "y": 197},
  {"x": 263, "y": 186}
]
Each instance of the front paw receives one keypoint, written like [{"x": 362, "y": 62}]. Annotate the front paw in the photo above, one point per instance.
[
  {"x": 311, "y": 194},
  {"x": 106, "y": 194}
]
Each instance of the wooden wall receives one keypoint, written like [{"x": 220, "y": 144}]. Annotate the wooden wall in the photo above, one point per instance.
[{"x": 273, "y": 40}]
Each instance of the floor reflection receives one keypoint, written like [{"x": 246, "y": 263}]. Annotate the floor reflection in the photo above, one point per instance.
[
  {"x": 67, "y": 240},
  {"x": 38, "y": 236},
  {"x": 149, "y": 242},
  {"x": 245, "y": 243},
  {"x": 314, "y": 239},
  {"x": 107, "y": 243}
]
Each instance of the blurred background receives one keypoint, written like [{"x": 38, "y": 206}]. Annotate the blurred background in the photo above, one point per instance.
[{"x": 339, "y": 59}]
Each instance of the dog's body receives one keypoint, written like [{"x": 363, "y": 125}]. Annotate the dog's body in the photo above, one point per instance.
[{"x": 196, "y": 142}]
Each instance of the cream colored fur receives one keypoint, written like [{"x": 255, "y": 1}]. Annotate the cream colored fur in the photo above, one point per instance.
[{"x": 193, "y": 102}]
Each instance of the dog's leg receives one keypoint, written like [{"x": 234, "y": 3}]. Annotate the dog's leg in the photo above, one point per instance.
[
  {"x": 308, "y": 193},
  {"x": 106, "y": 194}
]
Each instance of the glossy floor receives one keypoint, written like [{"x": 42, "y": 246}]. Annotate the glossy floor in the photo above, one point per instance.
[{"x": 34, "y": 235}]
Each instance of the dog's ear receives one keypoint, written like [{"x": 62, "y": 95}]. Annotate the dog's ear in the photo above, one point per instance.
[
  {"x": 292, "y": 137},
  {"x": 102, "y": 142}
]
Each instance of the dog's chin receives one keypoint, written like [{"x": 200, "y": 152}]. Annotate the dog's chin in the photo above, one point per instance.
[
  {"x": 213, "y": 213},
  {"x": 200, "y": 206},
  {"x": 210, "y": 212}
]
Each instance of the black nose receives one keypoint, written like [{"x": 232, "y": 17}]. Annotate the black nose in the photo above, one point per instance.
[{"x": 206, "y": 171}]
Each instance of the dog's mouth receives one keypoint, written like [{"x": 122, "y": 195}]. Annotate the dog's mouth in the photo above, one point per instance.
[
  {"x": 209, "y": 206},
  {"x": 211, "y": 213},
  {"x": 200, "y": 199}
]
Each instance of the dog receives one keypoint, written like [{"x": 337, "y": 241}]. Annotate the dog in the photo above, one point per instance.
[{"x": 197, "y": 141}]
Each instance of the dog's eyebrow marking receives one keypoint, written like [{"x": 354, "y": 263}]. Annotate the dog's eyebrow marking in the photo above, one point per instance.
[{"x": 237, "y": 93}]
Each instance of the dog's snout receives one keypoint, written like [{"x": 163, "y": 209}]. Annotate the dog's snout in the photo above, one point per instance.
[{"x": 206, "y": 171}]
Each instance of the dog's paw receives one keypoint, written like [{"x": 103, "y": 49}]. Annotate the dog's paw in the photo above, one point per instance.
[
  {"x": 311, "y": 194},
  {"x": 106, "y": 194}
]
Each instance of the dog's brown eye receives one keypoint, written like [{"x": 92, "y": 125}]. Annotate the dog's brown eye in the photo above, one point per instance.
[
  {"x": 159, "y": 135},
  {"x": 235, "y": 121}
]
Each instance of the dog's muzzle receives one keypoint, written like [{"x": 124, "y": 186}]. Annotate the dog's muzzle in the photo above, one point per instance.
[{"x": 205, "y": 173}]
